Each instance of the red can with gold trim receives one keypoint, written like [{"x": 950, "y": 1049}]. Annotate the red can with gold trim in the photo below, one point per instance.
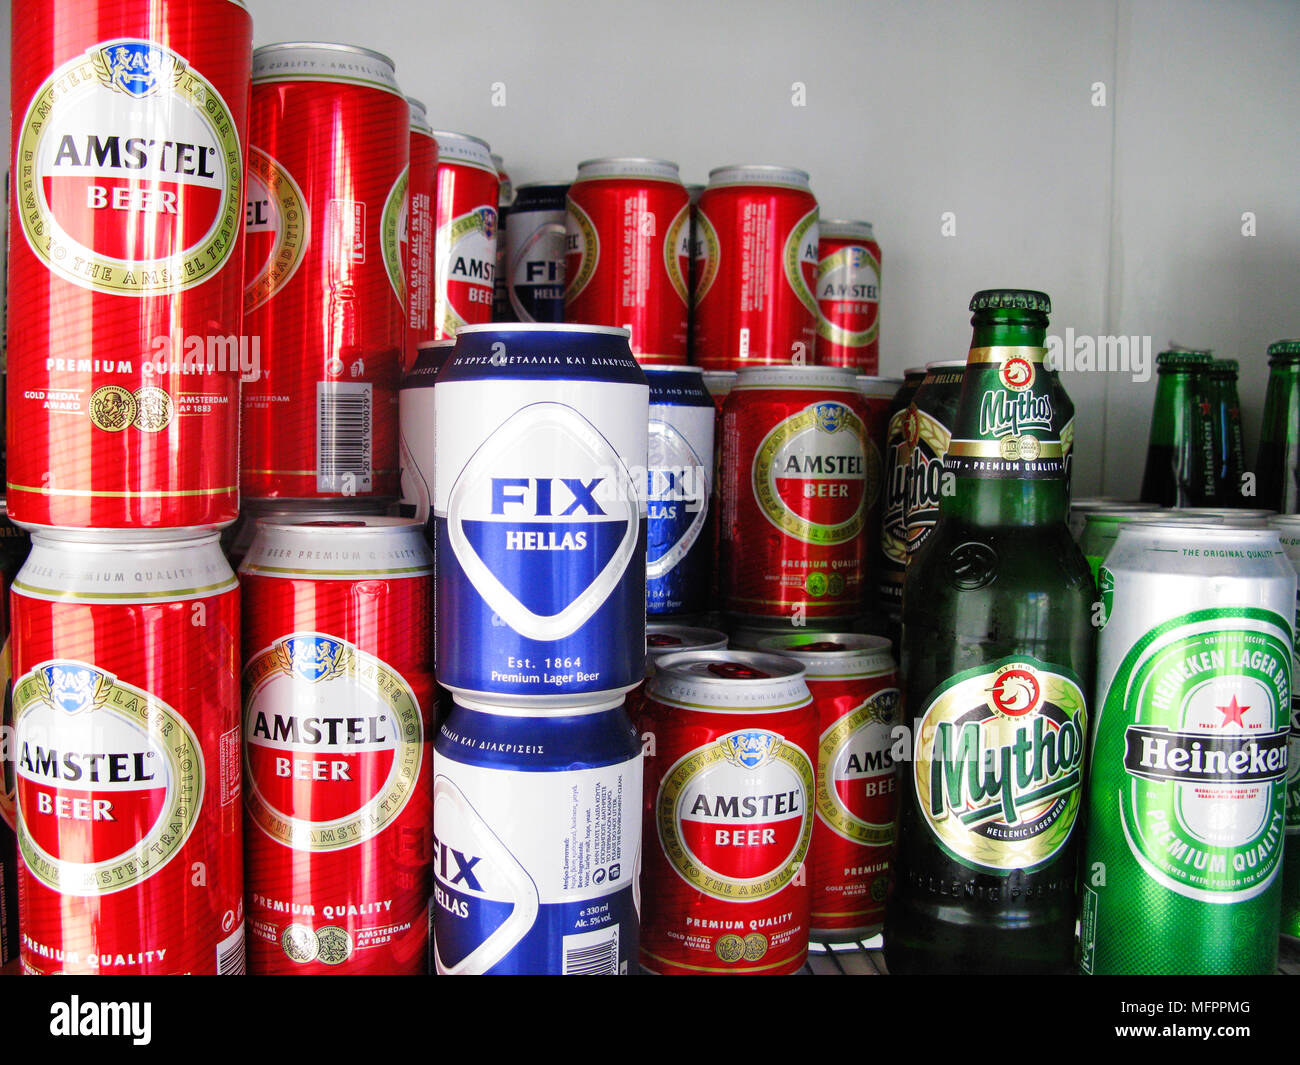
[
  {"x": 467, "y": 232},
  {"x": 848, "y": 296},
  {"x": 418, "y": 231}
]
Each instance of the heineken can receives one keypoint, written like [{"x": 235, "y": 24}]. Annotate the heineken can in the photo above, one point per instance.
[
  {"x": 1101, "y": 527},
  {"x": 1189, "y": 755},
  {"x": 1079, "y": 509},
  {"x": 1288, "y": 528}
]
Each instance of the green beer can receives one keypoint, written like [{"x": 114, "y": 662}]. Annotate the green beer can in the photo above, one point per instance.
[
  {"x": 1187, "y": 777},
  {"x": 1288, "y": 529}
]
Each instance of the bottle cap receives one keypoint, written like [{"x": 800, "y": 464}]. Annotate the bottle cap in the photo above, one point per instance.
[{"x": 1014, "y": 299}]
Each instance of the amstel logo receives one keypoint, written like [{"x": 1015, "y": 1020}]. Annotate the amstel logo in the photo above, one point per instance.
[
  {"x": 393, "y": 235},
  {"x": 850, "y": 280},
  {"x": 855, "y": 772},
  {"x": 465, "y": 262},
  {"x": 277, "y": 225},
  {"x": 677, "y": 254},
  {"x": 128, "y": 172},
  {"x": 581, "y": 250},
  {"x": 800, "y": 259},
  {"x": 734, "y": 815},
  {"x": 319, "y": 711},
  {"x": 110, "y": 779},
  {"x": 706, "y": 251}
]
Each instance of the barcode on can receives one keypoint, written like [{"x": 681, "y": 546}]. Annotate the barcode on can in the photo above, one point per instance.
[
  {"x": 591, "y": 953},
  {"x": 230, "y": 953},
  {"x": 344, "y": 424}
]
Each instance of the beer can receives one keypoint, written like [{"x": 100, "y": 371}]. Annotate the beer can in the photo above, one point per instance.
[
  {"x": 534, "y": 266},
  {"x": 501, "y": 309},
  {"x": 627, "y": 253},
  {"x": 415, "y": 425},
  {"x": 538, "y": 840},
  {"x": 237, "y": 538},
  {"x": 854, "y": 685},
  {"x": 729, "y": 794},
  {"x": 126, "y": 254},
  {"x": 1188, "y": 766},
  {"x": 848, "y": 295},
  {"x": 126, "y": 735},
  {"x": 749, "y": 634},
  {"x": 666, "y": 638},
  {"x": 465, "y": 242},
  {"x": 679, "y": 531},
  {"x": 417, "y": 232},
  {"x": 1079, "y": 509},
  {"x": 541, "y": 522},
  {"x": 339, "y": 703},
  {"x": 927, "y": 430},
  {"x": 505, "y": 187},
  {"x": 755, "y": 272},
  {"x": 1102, "y": 525},
  {"x": 325, "y": 275},
  {"x": 15, "y": 544},
  {"x": 891, "y": 559},
  {"x": 1288, "y": 530},
  {"x": 799, "y": 476}
]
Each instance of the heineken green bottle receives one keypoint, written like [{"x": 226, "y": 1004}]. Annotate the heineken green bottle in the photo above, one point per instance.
[
  {"x": 1277, "y": 465},
  {"x": 997, "y": 661},
  {"x": 1180, "y": 455}
]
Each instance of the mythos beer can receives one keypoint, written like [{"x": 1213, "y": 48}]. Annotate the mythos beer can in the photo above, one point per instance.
[
  {"x": 126, "y": 735},
  {"x": 126, "y": 242},
  {"x": 534, "y": 263},
  {"x": 541, "y": 535},
  {"x": 465, "y": 243},
  {"x": 1188, "y": 765},
  {"x": 537, "y": 819},
  {"x": 325, "y": 281},
  {"x": 848, "y": 296},
  {"x": 680, "y": 478},
  {"x": 339, "y": 705},
  {"x": 729, "y": 793}
]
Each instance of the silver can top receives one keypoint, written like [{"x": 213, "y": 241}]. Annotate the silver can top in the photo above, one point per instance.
[
  {"x": 345, "y": 64},
  {"x": 730, "y": 682}
]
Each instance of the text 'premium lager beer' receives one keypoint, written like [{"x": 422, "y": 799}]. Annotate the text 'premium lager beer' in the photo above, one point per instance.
[
  {"x": 997, "y": 652},
  {"x": 126, "y": 247},
  {"x": 1187, "y": 771}
]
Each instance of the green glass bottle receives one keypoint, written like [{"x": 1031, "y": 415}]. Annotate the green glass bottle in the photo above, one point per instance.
[
  {"x": 1180, "y": 465},
  {"x": 1229, "y": 440},
  {"x": 1277, "y": 465},
  {"x": 997, "y": 661}
]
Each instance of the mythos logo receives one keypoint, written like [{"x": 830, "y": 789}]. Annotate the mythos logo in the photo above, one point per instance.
[{"x": 545, "y": 520}]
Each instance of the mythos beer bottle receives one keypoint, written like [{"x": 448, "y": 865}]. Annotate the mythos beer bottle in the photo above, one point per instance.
[{"x": 997, "y": 660}]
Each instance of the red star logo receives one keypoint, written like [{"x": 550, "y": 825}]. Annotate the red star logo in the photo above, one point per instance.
[
  {"x": 1232, "y": 714},
  {"x": 1205, "y": 407}
]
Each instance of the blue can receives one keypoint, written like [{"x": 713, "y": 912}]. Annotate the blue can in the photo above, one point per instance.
[
  {"x": 534, "y": 266},
  {"x": 679, "y": 556},
  {"x": 537, "y": 841},
  {"x": 540, "y": 438}
]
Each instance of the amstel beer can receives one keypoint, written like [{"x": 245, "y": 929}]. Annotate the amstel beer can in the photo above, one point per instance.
[
  {"x": 465, "y": 245},
  {"x": 927, "y": 430},
  {"x": 679, "y": 531},
  {"x": 755, "y": 269},
  {"x": 126, "y": 739},
  {"x": 848, "y": 296},
  {"x": 15, "y": 543},
  {"x": 415, "y": 424},
  {"x": 729, "y": 794},
  {"x": 891, "y": 560},
  {"x": 505, "y": 187},
  {"x": 534, "y": 264},
  {"x": 237, "y": 538},
  {"x": 664, "y": 638},
  {"x": 1288, "y": 530},
  {"x": 541, "y": 519},
  {"x": 627, "y": 253},
  {"x": 854, "y": 686},
  {"x": 1188, "y": 764},
  {"x": 537, "y": 822},
  {"x": 417, "y": 231},
  {"x": 325, "y": 274},
  {"x": 126, "y": 258},
  {"x": 339, "y": 704},
  {"x": 799, "y": 476}
]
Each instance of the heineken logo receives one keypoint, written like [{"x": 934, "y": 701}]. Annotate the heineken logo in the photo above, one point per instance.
[
  {"x": 1194, "y": 757},
  {"x": 1011, "y": 414}
]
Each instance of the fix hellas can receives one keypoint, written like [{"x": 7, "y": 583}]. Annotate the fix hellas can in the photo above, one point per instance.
[
  {"x": 537, "y": 817},
  {"x": 325, "y": 278},
  {"x": 848, "y": 295},
  {"x": 627, "y": 253},
  {"x": 679, "y": 562},
  {"x": 127, "y": 757},
  {"x": 465, "y": 242},
  {"x": 125, "y": 255},
  {"x": 417, "y": 231},
  {"x": 729, "y": 792},
  {"x": 534, "y": 262},
  {"x": 1188, "y": 761},
  {"x": 854, "y": 686},
  {"x": 339, "y": 703},
  {"x": 541, "y": 521},
  {"x": 757, "y": 239}
]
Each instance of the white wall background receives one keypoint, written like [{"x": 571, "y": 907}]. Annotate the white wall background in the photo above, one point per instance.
[{"x": 1129, "y": 215}]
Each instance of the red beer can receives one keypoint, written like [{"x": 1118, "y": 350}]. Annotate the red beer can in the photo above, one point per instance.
[
  {"x": 339, "y": 704},
  {"x": 126, "y": 258},
  {"x": 417, "y": 232},
  {"x": 15, "y": 543},
  {"x": 465, "y": 242},
  {"x": 326, "y": 281},
  {"x": 126, "y": 736},
  {"x": 664, "y": 638},
  {"x": 854, "y": 686},
  {"x": 848, "y": 296},
  {"x": 756, "y": 264},
  {"x": 627, "y": 253},
  {"x": 729, "y": 785},
  {"x": 798, "y": 479}
]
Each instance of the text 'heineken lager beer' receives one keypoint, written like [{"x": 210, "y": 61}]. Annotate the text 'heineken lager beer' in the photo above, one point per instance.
[
  {"x": 1188, "y": 764},
  {"x": 997, "y": 654}
]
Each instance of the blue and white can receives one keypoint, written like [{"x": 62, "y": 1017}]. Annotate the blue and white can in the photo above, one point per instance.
[
  {"x": 679, "y": 555},
  {"x": 537, "y": 853},
  {"x": 540, "y": 441},
  {"x": 415, "y": 428},
  {"x": 534, "y": 265}
]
